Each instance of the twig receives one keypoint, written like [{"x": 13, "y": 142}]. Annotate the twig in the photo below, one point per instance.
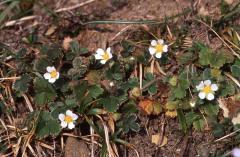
[
  {"x": 160, "y": 69},
  {"x": 9, "y": 78},
  {"x": 92, "y": 139},
  {"x": 28, "y": 102},
  {"x": 73, "y": 7},
  {"x": 150, "y": 83},
  {"x": 121, "y": 31},
  {"x": 19, "y": 21},
  {"x": 140, "y": 75},
  {"x": 226, "y": 136}
]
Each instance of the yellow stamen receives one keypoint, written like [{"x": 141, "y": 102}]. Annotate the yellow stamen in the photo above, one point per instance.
[
  {"x": 159, "y": 48},
  {"x": 53, "y": 74},
  {"x": 105, "y": 56},
  {"x": 207, "y": 89},
  {"x": 68, "y": 119}
]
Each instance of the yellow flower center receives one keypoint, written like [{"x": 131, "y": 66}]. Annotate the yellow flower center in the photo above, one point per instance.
[
  {"x": 207, "y": 89},
  {"x": 159, "y": 48},
  {"x": 105, "y": 56},
  {"x": 53, "y": 74},
  {"x": 68, "y": 119}
]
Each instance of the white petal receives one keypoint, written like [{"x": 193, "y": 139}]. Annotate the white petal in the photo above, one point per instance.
[
  {"x": 64, "y": 124},
  {"x": 74, "y": 116},
  {"x": 160, "y": 41},
  {"x": 236, "y": 151},
  {"x": 100, "y": 51},
  {"x": 200, "y": 86},
  {"x": 207, "y": 82},
  {"x": 50, "y": 69},
  {"x": 152, "y": 50},
  {"x": 103, "y": 61},
  {"x": 158, "y": 55},
  {"x": 69, "y": 113},
  {"x": 108, "y": 50},
  {"x": 52, "y": 80},
  {"x": 109, "y": 54},
  {"x": 202, "y": 95},
  {"x": 210, "y": 96},
  {"x": 57, "y": 77},
  {"x": 165, "y": 48},
  {"x": 153, "y": 42},
  {"x": 98, "y": 56},
  {"x": 214, "y": 87},
  {"x": 47, "y": 76},
  {"x": 71, "y": 125},
  {"x": 61, "y": 117}
]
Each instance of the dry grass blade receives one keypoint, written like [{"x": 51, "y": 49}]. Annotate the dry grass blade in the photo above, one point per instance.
[
  {"x": 110, "y": 150},
  {"x": 233, "y": 79},
  {"x": 74, "y": 7}
]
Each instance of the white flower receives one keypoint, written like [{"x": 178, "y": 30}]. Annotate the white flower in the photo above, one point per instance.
[
  {"x": 111, "y": 84},
  {"x": 51, "y": 75},
  {"x": 68, "y": 119},
  {"x": 157, "y": 48},
  {"x": 207, "y": 90},
  {"x": 236, "y": 152},
  {"x": 103, "y": 55}
]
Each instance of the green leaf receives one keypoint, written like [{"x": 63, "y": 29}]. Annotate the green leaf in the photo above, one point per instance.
[
  {"x": 235, "y": 69},
  {"x": 211, "y": 109},
  {"x": 191, "y": 117},
  {"x": 218, "y": 130},
  {"x": 110, "y": 103},
  {"x": 51, "y": 51},
  {"x": 95, "y": 91},
  {"x": 182, "y": 120},
  {"x": 79, "y": 90},
  {"x": 41, "y": 64},
  {"x": 199, "y": 124},
  {"x": 153, "y": 88},
  {"x": 44, "y": 91},
  {"x": 227, "y": 89},
  {"x": 129, "y": 107},
  {"x": 129, "y": 123},
  {"x": 185, "y": 58},
  {"x": 178, "y": 92},
  {"x": 217, "y": 60},
  {"x": 204, "y": 53},
  {"x": 47, "y": 126},
  {"x": 22, "y": 84}
]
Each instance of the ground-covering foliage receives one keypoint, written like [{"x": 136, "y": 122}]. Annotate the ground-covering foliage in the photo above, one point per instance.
[{"x": 158, "y": 70}]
